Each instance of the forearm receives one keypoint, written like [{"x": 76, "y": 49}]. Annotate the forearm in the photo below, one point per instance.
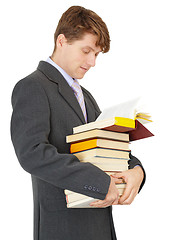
[{"x": 134, "y": 162}]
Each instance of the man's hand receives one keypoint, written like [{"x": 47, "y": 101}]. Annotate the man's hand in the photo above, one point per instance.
[
  {"x": 133, "y": 179},
  {"x": 111, "y": 197}
]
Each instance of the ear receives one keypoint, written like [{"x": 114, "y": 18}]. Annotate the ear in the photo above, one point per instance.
[{"x": 61, "y": 39}]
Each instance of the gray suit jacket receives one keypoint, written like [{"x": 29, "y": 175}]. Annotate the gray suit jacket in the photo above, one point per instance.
[{"x": 45, "y": 110}]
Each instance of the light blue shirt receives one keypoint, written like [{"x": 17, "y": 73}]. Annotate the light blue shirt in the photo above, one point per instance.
[
  {"x": 64, "y": 74},
  {"x": 69, "y": 80}
]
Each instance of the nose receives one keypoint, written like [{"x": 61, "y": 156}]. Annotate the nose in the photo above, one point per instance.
[{"x": 91, "y": 60}]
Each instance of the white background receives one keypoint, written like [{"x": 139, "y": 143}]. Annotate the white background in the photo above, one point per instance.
[{"x": 141, "y": 62}]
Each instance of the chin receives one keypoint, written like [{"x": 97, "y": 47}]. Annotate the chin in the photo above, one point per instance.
[{"x": 79, "y": 76}]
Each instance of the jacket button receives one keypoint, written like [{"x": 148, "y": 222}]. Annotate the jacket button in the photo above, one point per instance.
[
  {"x": 98, "y": 190},
  {"x": 90, "y": 187},
  {"x": 94, "y": 189},
  {"x": 85, "y": 187}
]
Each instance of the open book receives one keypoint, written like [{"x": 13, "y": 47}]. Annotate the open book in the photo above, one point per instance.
[
  {"x": 133, "y": 109},
  {"x": 124, "y": 118}
]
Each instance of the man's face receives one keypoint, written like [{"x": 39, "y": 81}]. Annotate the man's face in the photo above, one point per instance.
[{"x": 78, "y": 57}]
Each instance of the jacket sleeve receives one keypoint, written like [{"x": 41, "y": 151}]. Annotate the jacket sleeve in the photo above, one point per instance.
[{"x": 30, "y": 128}]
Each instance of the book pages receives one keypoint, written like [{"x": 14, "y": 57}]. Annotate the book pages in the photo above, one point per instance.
[{"x": 125, "y": 110}]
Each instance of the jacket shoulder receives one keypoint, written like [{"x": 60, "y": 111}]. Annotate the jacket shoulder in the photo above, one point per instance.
[
  {"x": 34, "y": 77},
  {"x": 28, "y": 87}
]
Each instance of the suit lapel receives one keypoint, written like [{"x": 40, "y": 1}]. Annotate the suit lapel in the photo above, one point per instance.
[
  {"x": 92, "y": 108},
  {"x": 63, "y": 87},
  {"x": 90, "y": 113},
  {"x": 67, "y": 93}
]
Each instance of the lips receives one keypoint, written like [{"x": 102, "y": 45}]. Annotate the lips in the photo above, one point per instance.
[{"x": 85, "y": 69}]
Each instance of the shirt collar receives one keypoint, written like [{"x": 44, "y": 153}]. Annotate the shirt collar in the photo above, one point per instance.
[{"x": 64, "y": 74}]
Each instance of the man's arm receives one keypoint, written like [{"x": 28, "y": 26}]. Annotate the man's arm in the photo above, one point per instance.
[{"x": 30, "y": 130}]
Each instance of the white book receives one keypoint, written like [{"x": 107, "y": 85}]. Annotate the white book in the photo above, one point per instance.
[{"x": 77, "y": 200}]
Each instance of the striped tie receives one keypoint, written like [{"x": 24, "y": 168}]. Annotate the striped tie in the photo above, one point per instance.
[{"x": 79, "y": 95}]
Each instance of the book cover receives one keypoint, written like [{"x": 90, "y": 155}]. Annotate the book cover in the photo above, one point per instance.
[
  {"x": 97, "y": 133},
  {"x": 101, "y": 143}
]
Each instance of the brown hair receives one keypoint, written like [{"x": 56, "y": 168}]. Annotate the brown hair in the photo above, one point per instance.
[{"x": 76, "y": 21}]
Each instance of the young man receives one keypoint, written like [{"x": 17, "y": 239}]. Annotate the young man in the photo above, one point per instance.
[{"x": 46, "y": 107}]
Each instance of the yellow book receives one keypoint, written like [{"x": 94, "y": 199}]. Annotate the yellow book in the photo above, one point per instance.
[{"x": 116, "y": 124}]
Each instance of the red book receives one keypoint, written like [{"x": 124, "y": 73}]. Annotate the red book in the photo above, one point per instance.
[{"x": 135, "y": 128}]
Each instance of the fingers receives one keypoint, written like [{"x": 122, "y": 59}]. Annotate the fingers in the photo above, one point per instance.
[
  {"x": 104, "y": 203},
  {"x": 116, "y": 202},
  {"x": 119, "y": 174},
  {"x": 119, "y": 180},
  {"x": 108, "y": 201},
  {"x": 119, "y": 177},
  {"x": 126, "y": 193},
  {"x": 128, "y": 196},
  {"x": 100, "y": 204}
]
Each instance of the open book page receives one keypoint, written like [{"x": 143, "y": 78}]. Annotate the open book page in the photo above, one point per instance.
[
  {"x": 125, "y": 110},
  {"x": 133, "y": 109}
]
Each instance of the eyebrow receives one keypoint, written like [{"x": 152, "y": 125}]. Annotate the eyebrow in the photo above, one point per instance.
[{"x": 92, "y": 49}]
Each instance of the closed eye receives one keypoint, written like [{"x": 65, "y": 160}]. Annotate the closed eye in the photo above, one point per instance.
[{"x": 86, "y": 51}]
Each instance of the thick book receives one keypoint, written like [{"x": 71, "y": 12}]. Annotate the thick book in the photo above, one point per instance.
[
  {"x": 102, "y": 152},
  {"x": 108, "y": 164},
  {"x": 73, "y": 196},
  {"x": 99, "y": 143},
  {"x": 111, "y": 167},
  {"x": 115, "y": 167},
  {"x": 135, "y": 128},
  {"x": 102, "y": 160},
  {"x": 97, "y": 133},
  {"x": 82, "y": 203}
]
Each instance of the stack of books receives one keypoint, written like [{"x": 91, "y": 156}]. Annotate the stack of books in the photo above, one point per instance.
[{"x": 105, "y": 143}]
